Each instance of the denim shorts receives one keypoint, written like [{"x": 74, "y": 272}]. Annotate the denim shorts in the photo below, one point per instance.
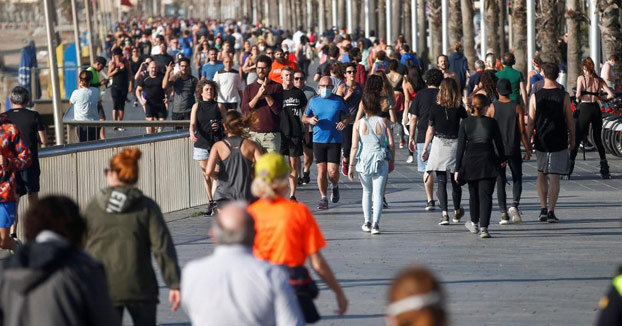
[
  {"x": 200, "y": 154},
  {"x": 7, "y": 214},
  {"x": 421, "y": 165}
]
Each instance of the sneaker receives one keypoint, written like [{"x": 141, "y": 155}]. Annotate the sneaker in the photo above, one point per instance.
[
  {"x": 120, "y": 129},
  {"x": 210, "y": 209},
  {"x": 335, "y": 195},
  {"x": 344, "y": 168},
  {"x": 410, "y": 159},
  {"x": 300, "y": 182},
  {"x": 322, "y": 204},
  {"x": 604, "y": 170},
  {"x": 483, "y": 233},
  {"x": 444, "y": 220},
  {"x": 515, "y": 215},
  {"x": 375, "y": 229},
  {"x": 385, "y": 204},
  {"x": 306, "y": 178},
  {"x": 505, "y": 219},
  {"x": 472, "y": 227},
  {"x": 551, "y": 218},
  {"x": 292, "y": 198},
  {"x": 366, "y": 227},
  {"x": 430, "y": 206},
  {"x": 458, "y": 215},
  {"x": 14, "y": 236},
  {"x": 544, "y": 213},
  {"x": 402, "y": 144}
]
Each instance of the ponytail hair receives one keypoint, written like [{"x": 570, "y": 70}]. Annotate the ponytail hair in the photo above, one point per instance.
[
  {"x": 125, "y": 164},
  {"x": 238, "y": 124}
]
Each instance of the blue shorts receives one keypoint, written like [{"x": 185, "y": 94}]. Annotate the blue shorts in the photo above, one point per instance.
[
  {"x": 421, "y": 165},
  {"x": 200, "y": 154},
  {"x": 7, "y": 214}
]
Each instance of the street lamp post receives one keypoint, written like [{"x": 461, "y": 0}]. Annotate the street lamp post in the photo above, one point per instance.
[{"x": 58, "y": 122}]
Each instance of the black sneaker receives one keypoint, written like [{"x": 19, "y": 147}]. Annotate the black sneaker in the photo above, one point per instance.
[
  {"x": 505, "y": 219},
  {"x": 292, "y": 198},
  {"x": 544, "y": 213},
  {"x": 335, "y": 196},
  {"x": 458, "y": 215},
  {"x": 300, "y": 183},
  {"x": 483, "y": 233},
  {"x": 430, "y": 206},
  {"x": 14, "y": 236},
  {"x": 604, "y": 170},
  {"x": 444, "y": 220},
  {"x": 306, "y": 178},
  {"x": 552, "y": 218},
  {"x": 385, "y": 204},
  {"x": 210, "y": 209}
]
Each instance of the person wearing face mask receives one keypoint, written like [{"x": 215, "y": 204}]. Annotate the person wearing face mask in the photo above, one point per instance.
[{"x": 329, "y": 116}]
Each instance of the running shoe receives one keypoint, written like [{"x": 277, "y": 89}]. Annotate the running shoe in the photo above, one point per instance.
[
  {"x": 402, "y": 144},
  {"x": 344, "y": 168},
  {"x": 335, "y": 195},
  {"x": 505, "y": 219},
  {"x": 604, "y": 169},
  {"x": 120, "y": 129},
  {"x": 458, "y": 215},
  {"x": 322, "y": 204},
  {"x": 483, "y": 233},
  {"x": 551, "y": 218},
  {"x": 515, "y": 215},
  {"x": 472, "y": 227},
  {"x": 375, "y": 229},
  {"x": 430, "y": 206},
  {"x": 544, "y": 213},
  {"x": 385, "y": 204},
  {"x": 410, "y": 159},
  {"x": 300, "y": 183},
  {"x": 444, "y": 220},
  {"x": 210, "y": 209},
  {"x": 306, "y": 178},
  {"x": 292, "y": 198},
  {"x": 366, "y": 227}
]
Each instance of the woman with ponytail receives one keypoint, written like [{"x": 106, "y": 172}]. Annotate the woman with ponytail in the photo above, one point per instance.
[{"x": 124, "y": 227}]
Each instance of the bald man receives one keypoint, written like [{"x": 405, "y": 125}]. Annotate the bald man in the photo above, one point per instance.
[{"x": 232, "y": 287}]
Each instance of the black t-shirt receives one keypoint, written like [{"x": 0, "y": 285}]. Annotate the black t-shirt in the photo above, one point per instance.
[
  {"x": 135, "y": 66},
  {"x": 145, "y": 48},
  {"x": 294, "y": 101},
  {"x": 29, "y": 123},
  {"x": 162, "y": 60},
  {"x": 446, "y": 121},
  {"x": 207, "y": 113},
  {"x": 421, "y": 106},
  {"x": 320, "y": 69},
  {"x": 152, "y": 86}
]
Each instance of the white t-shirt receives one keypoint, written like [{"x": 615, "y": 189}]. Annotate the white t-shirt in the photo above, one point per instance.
[
  {"x": 84, "y": 101},
  {"x": 229, "y": 85}
]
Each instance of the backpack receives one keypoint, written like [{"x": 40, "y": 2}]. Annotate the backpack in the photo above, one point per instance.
[{"x": 309, "y": 53}]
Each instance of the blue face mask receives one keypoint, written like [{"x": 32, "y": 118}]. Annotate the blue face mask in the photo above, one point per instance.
[{"x": 325, "y": 92}]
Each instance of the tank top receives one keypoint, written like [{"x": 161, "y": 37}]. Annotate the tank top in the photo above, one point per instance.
[
  {"x": 207, "y": 112},
  {"x": 373, "y": 149},
  {"x": 550, "y": 124},
  {"x": 234, "y": 175},
  {"x": 505, "y": 114},
  {"x": 121, "y": 79}
]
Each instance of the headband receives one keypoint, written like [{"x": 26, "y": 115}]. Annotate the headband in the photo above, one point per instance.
[{"x": 413, "y": 302}]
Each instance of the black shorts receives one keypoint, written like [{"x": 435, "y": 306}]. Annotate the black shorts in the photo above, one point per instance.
[
  {"x": 309, "y": 144},
  {"x": 291, "y": 146},
  {"x": 180, "y": 115},
  {"x": 157, "y": 111},
  {"x": 27, "y": 181},
  {"x": 119, "y": 96},
  {"x": 230, "y": 106},
  {"x": 100, "y": 111},
  {"x": 330, "y": 153}
]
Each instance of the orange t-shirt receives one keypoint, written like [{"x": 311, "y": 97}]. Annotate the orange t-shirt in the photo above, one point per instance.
[
  {"x": 286, "y": 232},
  {"x": 275, "y": 70}
]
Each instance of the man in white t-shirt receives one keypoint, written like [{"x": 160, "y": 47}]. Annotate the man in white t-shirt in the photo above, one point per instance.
[{"x": 230, "y": 86}]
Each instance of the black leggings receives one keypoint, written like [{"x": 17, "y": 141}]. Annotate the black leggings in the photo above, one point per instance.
[
  {"x": 441, "y": 192},
  {"x": 589, "y": 113},
  {"x": 480, "y": 200},
  {"x": 516, "y": 167},
  {"x": 346, "y": 135}
]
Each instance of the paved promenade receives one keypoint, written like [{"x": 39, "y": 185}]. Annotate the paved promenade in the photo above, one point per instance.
[{"x": 528, "y": 274}]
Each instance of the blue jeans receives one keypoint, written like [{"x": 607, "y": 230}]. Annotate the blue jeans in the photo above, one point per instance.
[{"x": 373, "y": 186}]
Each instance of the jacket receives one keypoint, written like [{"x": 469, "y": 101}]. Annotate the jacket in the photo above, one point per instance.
[
  {"x": 53, "y": 283},
  {"x": 16, "y": 156},
  {"x": 124, "y": 228}
]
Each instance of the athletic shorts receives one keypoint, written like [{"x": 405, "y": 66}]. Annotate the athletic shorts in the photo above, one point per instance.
[
  {"x": 27, "y": 181},
  {"x": 200, "y": 154},
  {"x": 7, "y": 214},
  {"x": 157, "y": 111},
  {"x": 309, "y": 144},
  {"x": 421, "y": 165},
  {"x": 119, "y": 96},
  {"x": 291, "y": 146},
  {"x": 553, "y": 162},
  {"x": 330, "y": 153}
]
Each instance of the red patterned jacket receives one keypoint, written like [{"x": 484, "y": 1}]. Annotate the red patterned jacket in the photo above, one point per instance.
[{"x": 15, "y": 157}]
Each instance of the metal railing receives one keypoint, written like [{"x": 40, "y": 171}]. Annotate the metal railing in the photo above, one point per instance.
[{"x": 90, "y": 129}]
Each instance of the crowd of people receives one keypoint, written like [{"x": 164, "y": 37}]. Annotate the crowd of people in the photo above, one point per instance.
[{"x": 256, "y": 131}]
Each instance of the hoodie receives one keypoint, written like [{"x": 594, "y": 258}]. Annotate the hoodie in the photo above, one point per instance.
[
  {"x": 458, "y": 64},
  {"x": 54, "y": 283},
  {"x": 124, "y": 229}
]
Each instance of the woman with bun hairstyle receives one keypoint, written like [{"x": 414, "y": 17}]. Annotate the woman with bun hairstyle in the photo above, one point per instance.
[
  {"x": 124, "y": 227},
  {"x": 235, "y": 156}
]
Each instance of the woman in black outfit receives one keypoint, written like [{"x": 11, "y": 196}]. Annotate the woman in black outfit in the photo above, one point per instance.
[
  {"x": 119, "y": 71},
  {"x": 480, "y": 152}
]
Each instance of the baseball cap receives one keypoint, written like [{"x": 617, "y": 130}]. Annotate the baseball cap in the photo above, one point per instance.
[
  {"x": 271, "y": 166},
  {"x": 504, "y": 87}
]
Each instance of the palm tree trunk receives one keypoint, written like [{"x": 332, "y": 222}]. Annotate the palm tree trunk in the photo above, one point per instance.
[
  {"x": 519, "y": 29},
  {"x": 408, "y": 22},
  {"x": 382, "y": 19},
  {"x": 342, "y": 20},
  {"x": 423, "y": 49},
  {"x": 492, "y": 24},
  {"x": 573, "y": 56},
  {"x": 396, "y": 19},
  {"x": 435, "y": 29},
  {"x": 468, "y": 29},
  {"x": 455, "y": 22},
  {"x": 501, "y": 27},
  {"x": 611, "y": 31},
  {"x": 548, "y": 19}
]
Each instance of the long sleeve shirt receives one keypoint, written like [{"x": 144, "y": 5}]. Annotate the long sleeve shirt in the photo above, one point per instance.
[
  {"x": 16, "y": 156},
  {"x": 268, "y": 114}
]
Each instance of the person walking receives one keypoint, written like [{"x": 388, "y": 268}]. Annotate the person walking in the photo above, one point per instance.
[
  {"x": 229, "y": 86},
  {"x": 300, "y": 81},
  {"x": 510, "y": 117},
  {"x": 84, "y": 101},
  {"x": 124, "y": 228},
  {"x": 396, "y": 80},
  {"x": 416, "y": 298},
  {"x": 288, "y": 235},
  {"x": 119, "y": 71},
  {"x": 480, "y": 153},
  {"x": 184, "y": 85},
  {"x": 442, "y": 63},
  {"x": 280, "y": 62},
  {"x": 515, "y": 77},
  {"x": 211, "y": 67},
  {"x": 589, "y": 86},
  {"x": 329, "y": 116},
  {"x": 413, "y": 83},
  {"x": 444, "y": 122},
  {"x": 551, "y": 118},
  {"x": 373, "y": 163},
  {"x": 534, "y": 75},
  {"x": 232, "y": 287},
  {"x": 153, "y": 101},
  {"x": 459, "y": 65},
  {"x": 353, "y": 94},
  {"x": 607, "y": 72}
]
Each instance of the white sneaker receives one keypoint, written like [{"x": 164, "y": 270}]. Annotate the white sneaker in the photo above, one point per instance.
[
  {"x": 366, "y": 227},
  {"x": 410, "y": 159},
  {"x": 515, "y": 215},
  {"x": 472, "y": 227},
  {"x": 375, "y": 229}
]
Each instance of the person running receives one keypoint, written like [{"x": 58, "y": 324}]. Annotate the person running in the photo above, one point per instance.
[
  {"x": 124, "y": 228},
  {"x": 288, "y": 235},
  {"x": 420, "y": 110},
  {"x": 444, "y": 122},
  {"x": 184, "y": 85},
  {"x": 265, "y": 98},
  {"x": 510, "y": 117},
  {"x": 201, "y": 54},
  {"x": 119, "y": 71},
  {"x": 280, "y": 62},
  {"x": 442, "y": 62},
  {"x": 234, "y": 157},
  {"x": 589, "y": 86},
  {"x": 230, "y": 85},
  {"x": 300, "y": 81},
  {"x": 205, "y": 129},
  {"x": 211, "y": 67},
  {"x": 153, "y": 101},
  {"x": 373, "y": 163},
  {"x": 515, "y": 77},
  {"x": 135, "y": 62},
  {"x": 480, "y": 153},
  {"x": 353, "y": 93},
  {"x": 329, "y": 116},
  {"x": 551, "y": 118},
  {"x": 292, "y": 128}
]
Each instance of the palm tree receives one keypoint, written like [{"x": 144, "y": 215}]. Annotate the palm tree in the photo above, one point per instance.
[
  {"x": 492, "y": 24},
  {"x": 519, "y": 29},
  {"x": 408, "y": 22},
  {"x": 468, "y": 29},
  {"x": 573, "y": 17},
  {"x": 455, "y": 22},
  {"x": 435, "y": 28},
  {"x": 341, "y": 14},
  {"x": 382, "y": 19},
  {"x": 548, "y": 19},
  {"x": 611, "y": 31},
  {"x": 396, "y": 17},
  {"x": 501, "y": 26},
  {"x": 423, "y": 50}
]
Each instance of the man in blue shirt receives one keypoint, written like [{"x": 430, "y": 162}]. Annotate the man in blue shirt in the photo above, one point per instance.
[
  {"x": 329, "y": 116},
  {"x": 212, "y": 66}
]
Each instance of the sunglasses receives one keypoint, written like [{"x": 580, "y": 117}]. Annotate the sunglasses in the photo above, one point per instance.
[
  {"x": 298, "y": 78},
  {"x": 350, "y": 71}
]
